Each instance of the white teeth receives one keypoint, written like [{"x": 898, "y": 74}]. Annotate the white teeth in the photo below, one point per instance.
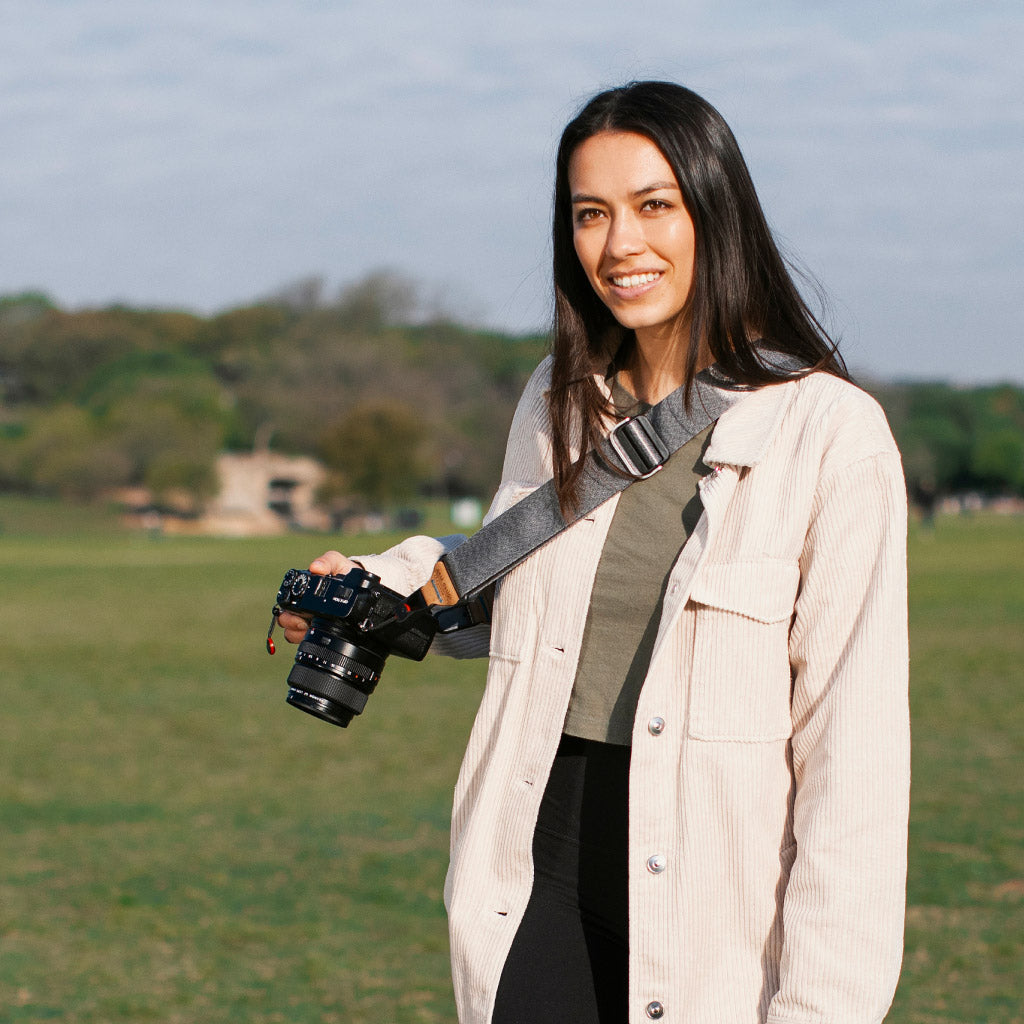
[{"x": 634, "y": 280}]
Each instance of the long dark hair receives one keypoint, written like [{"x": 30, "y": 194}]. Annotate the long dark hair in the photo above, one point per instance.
[{"x": 743, "y": 298}]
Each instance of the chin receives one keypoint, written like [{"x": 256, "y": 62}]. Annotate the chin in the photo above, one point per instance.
[{"x": 636, "y": 321}]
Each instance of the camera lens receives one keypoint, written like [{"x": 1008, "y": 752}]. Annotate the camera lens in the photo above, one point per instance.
[{"x": 333, "y": 677}]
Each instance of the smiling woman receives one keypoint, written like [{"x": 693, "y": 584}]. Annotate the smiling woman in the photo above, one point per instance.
[
  {"x": 685, "y": 794},
  {"x": 740, "y": 292},
  {"x": 635, "y": 240}
]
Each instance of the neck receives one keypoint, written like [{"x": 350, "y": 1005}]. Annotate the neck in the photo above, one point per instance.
[{"x": 658, "y": 364}]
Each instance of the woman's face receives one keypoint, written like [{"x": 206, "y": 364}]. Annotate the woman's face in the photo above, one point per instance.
[{"x": 632, "y": 233}]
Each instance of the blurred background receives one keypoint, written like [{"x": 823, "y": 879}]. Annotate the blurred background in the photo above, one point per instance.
[{"x": 272, "y": 276}]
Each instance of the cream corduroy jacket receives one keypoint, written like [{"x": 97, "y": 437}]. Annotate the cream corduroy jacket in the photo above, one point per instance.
[{"x": 770, "y": 757}]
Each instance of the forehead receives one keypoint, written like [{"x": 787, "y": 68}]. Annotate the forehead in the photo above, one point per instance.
[{"x": 614, "y": 162}]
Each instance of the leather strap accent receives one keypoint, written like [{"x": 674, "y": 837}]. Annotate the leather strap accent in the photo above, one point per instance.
[{"x": 439, "y": 591}]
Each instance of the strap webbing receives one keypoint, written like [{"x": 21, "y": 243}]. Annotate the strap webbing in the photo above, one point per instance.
[{"x": 639, "y": 446}]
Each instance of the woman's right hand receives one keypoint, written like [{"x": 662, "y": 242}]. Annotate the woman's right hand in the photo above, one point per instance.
[{"x": 330, "y": 563}]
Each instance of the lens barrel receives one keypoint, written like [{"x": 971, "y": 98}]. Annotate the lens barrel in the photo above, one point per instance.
[{"x": 333, "y": 677}]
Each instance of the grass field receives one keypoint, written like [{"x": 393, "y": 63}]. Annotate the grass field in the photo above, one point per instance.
[{"x": 180, "y": 846}]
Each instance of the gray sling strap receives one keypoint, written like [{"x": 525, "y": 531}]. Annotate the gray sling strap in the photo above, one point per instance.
[{"x": 637, "y": 447}]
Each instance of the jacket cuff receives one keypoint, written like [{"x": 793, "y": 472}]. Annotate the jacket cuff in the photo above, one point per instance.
[{"x": 407, "y": 566}]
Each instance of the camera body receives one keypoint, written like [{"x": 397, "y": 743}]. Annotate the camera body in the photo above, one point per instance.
[{"x": 356, "y": 623}]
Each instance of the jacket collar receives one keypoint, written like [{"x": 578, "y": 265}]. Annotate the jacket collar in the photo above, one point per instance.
[{"x": 746, "y": 429}]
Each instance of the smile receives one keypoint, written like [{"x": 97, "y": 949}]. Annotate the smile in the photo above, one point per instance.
[{"x": 635, "y": 280}]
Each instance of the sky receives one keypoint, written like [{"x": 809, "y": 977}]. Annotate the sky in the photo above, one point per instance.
[{"x": 202, "y": 155}]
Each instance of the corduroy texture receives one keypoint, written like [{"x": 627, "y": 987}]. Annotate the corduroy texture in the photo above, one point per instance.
[{"x": 777, "y": 791}]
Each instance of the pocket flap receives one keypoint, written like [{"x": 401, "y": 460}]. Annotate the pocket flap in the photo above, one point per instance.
[{"x": 764, "y": 589}]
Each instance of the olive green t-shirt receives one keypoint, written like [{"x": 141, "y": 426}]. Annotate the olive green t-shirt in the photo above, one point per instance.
[{"x": 651, "y": 523}]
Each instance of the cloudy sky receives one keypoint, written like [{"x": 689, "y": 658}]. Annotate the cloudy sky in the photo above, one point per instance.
[{"x": 203, "y": 154}]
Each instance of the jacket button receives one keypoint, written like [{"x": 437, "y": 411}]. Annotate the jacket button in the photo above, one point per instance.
[
  {"x": 655, "y": 1010},
  {"x": 656, "y": 863},
  {"x": 656, "y": 726}
]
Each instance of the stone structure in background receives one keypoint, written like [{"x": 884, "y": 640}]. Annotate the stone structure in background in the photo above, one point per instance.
[{"x": 263, "y": 493}]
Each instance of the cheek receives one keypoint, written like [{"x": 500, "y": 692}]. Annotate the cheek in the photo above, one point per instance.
[
  {"x": 677, "y": 241},
  {"x": 586, "y": 252}
]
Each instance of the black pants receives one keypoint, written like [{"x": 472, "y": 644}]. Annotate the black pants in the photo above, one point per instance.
[{"x": 569, "y": 962}]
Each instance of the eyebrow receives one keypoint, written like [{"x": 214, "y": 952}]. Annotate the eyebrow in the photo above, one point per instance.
[{"x": 656, "y": 186}]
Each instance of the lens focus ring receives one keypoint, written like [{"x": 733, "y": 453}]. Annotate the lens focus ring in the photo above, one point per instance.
[
  {"x": 328, "y": 688},
  {"x": 330, "y": 660}
]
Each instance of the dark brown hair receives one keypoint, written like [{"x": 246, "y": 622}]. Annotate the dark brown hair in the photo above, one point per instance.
[{"x": 743, "y": 298}]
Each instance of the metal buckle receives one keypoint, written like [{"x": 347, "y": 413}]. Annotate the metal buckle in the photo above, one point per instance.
[{"x": 638, "y": 447}]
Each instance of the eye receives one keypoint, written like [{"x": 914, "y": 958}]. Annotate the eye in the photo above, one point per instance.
[
  {"x": 656, "y": 205},
  {"x": 586, "y": 214}
]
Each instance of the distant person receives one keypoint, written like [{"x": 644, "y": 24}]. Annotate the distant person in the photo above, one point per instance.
[
  {"x": 926, "y": 497},
  {"x": 685, "y": 794}
]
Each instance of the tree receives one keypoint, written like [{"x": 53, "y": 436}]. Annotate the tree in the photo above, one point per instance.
[
  {"x": 998, "y": 459},
  {"x": 24, "y": 307},
  {"x": 52, "y": 354},
  {"x": 381, "y": 299},
  {"x": 377, "y": 447},
  {"x": 63, "y": 451},
  {"x": 300, "y": 296}
]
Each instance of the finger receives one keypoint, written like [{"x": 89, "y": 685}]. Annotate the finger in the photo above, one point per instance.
[
  {"x": 295, "y": 635},
  {"x": 295, "y": 626},
  {"x": 293, "y": 620},
  {"x": 331, "y": 563}
]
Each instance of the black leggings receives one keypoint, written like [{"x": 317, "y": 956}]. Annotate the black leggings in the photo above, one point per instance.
[{"x": 569, "y": 962}]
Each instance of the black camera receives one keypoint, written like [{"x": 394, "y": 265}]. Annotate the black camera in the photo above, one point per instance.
[{"x": 357, "y": 622}]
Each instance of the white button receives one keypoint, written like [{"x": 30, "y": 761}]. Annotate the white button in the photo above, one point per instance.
[
  {"x": 656, "y": 726},
  {"x": 656, "y": 863},
  {"x": 674, "y": 588},
  {"x": 655, "y": 1010}
]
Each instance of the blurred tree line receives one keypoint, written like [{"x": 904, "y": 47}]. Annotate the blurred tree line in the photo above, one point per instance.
[
  {"x": 956, "y": 440},
  {"x": 395, "y": 401}
]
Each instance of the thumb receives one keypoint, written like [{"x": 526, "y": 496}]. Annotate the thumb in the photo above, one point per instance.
[{"x": 331, "y": 563}]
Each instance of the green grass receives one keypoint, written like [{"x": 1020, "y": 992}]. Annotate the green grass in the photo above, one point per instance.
[
  {"x": 964, "y": 957},
  {"x": 180, "y": 846}
]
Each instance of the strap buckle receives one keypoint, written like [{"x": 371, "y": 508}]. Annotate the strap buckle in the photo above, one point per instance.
[{"x": 638, "y": 446}]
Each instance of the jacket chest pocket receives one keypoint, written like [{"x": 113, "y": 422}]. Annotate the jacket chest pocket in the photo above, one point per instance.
[{"x": 741, "y": 683}]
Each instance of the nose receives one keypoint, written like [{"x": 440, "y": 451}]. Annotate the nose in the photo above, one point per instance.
[{"x": 625, "y": 237}]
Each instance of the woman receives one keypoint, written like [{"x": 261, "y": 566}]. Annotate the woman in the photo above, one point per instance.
[{"x": 684, "y": 797}]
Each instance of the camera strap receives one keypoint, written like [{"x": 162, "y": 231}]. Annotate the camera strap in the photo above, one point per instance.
[{"x": 635, "y": 449}]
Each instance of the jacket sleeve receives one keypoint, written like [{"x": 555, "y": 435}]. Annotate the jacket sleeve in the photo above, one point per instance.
[
  {"x": 844, "y": 905},
  {"x": 407, "y": 566}
]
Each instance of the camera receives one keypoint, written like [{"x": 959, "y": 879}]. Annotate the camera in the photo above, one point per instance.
[{"x": 356, "y": 623}]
